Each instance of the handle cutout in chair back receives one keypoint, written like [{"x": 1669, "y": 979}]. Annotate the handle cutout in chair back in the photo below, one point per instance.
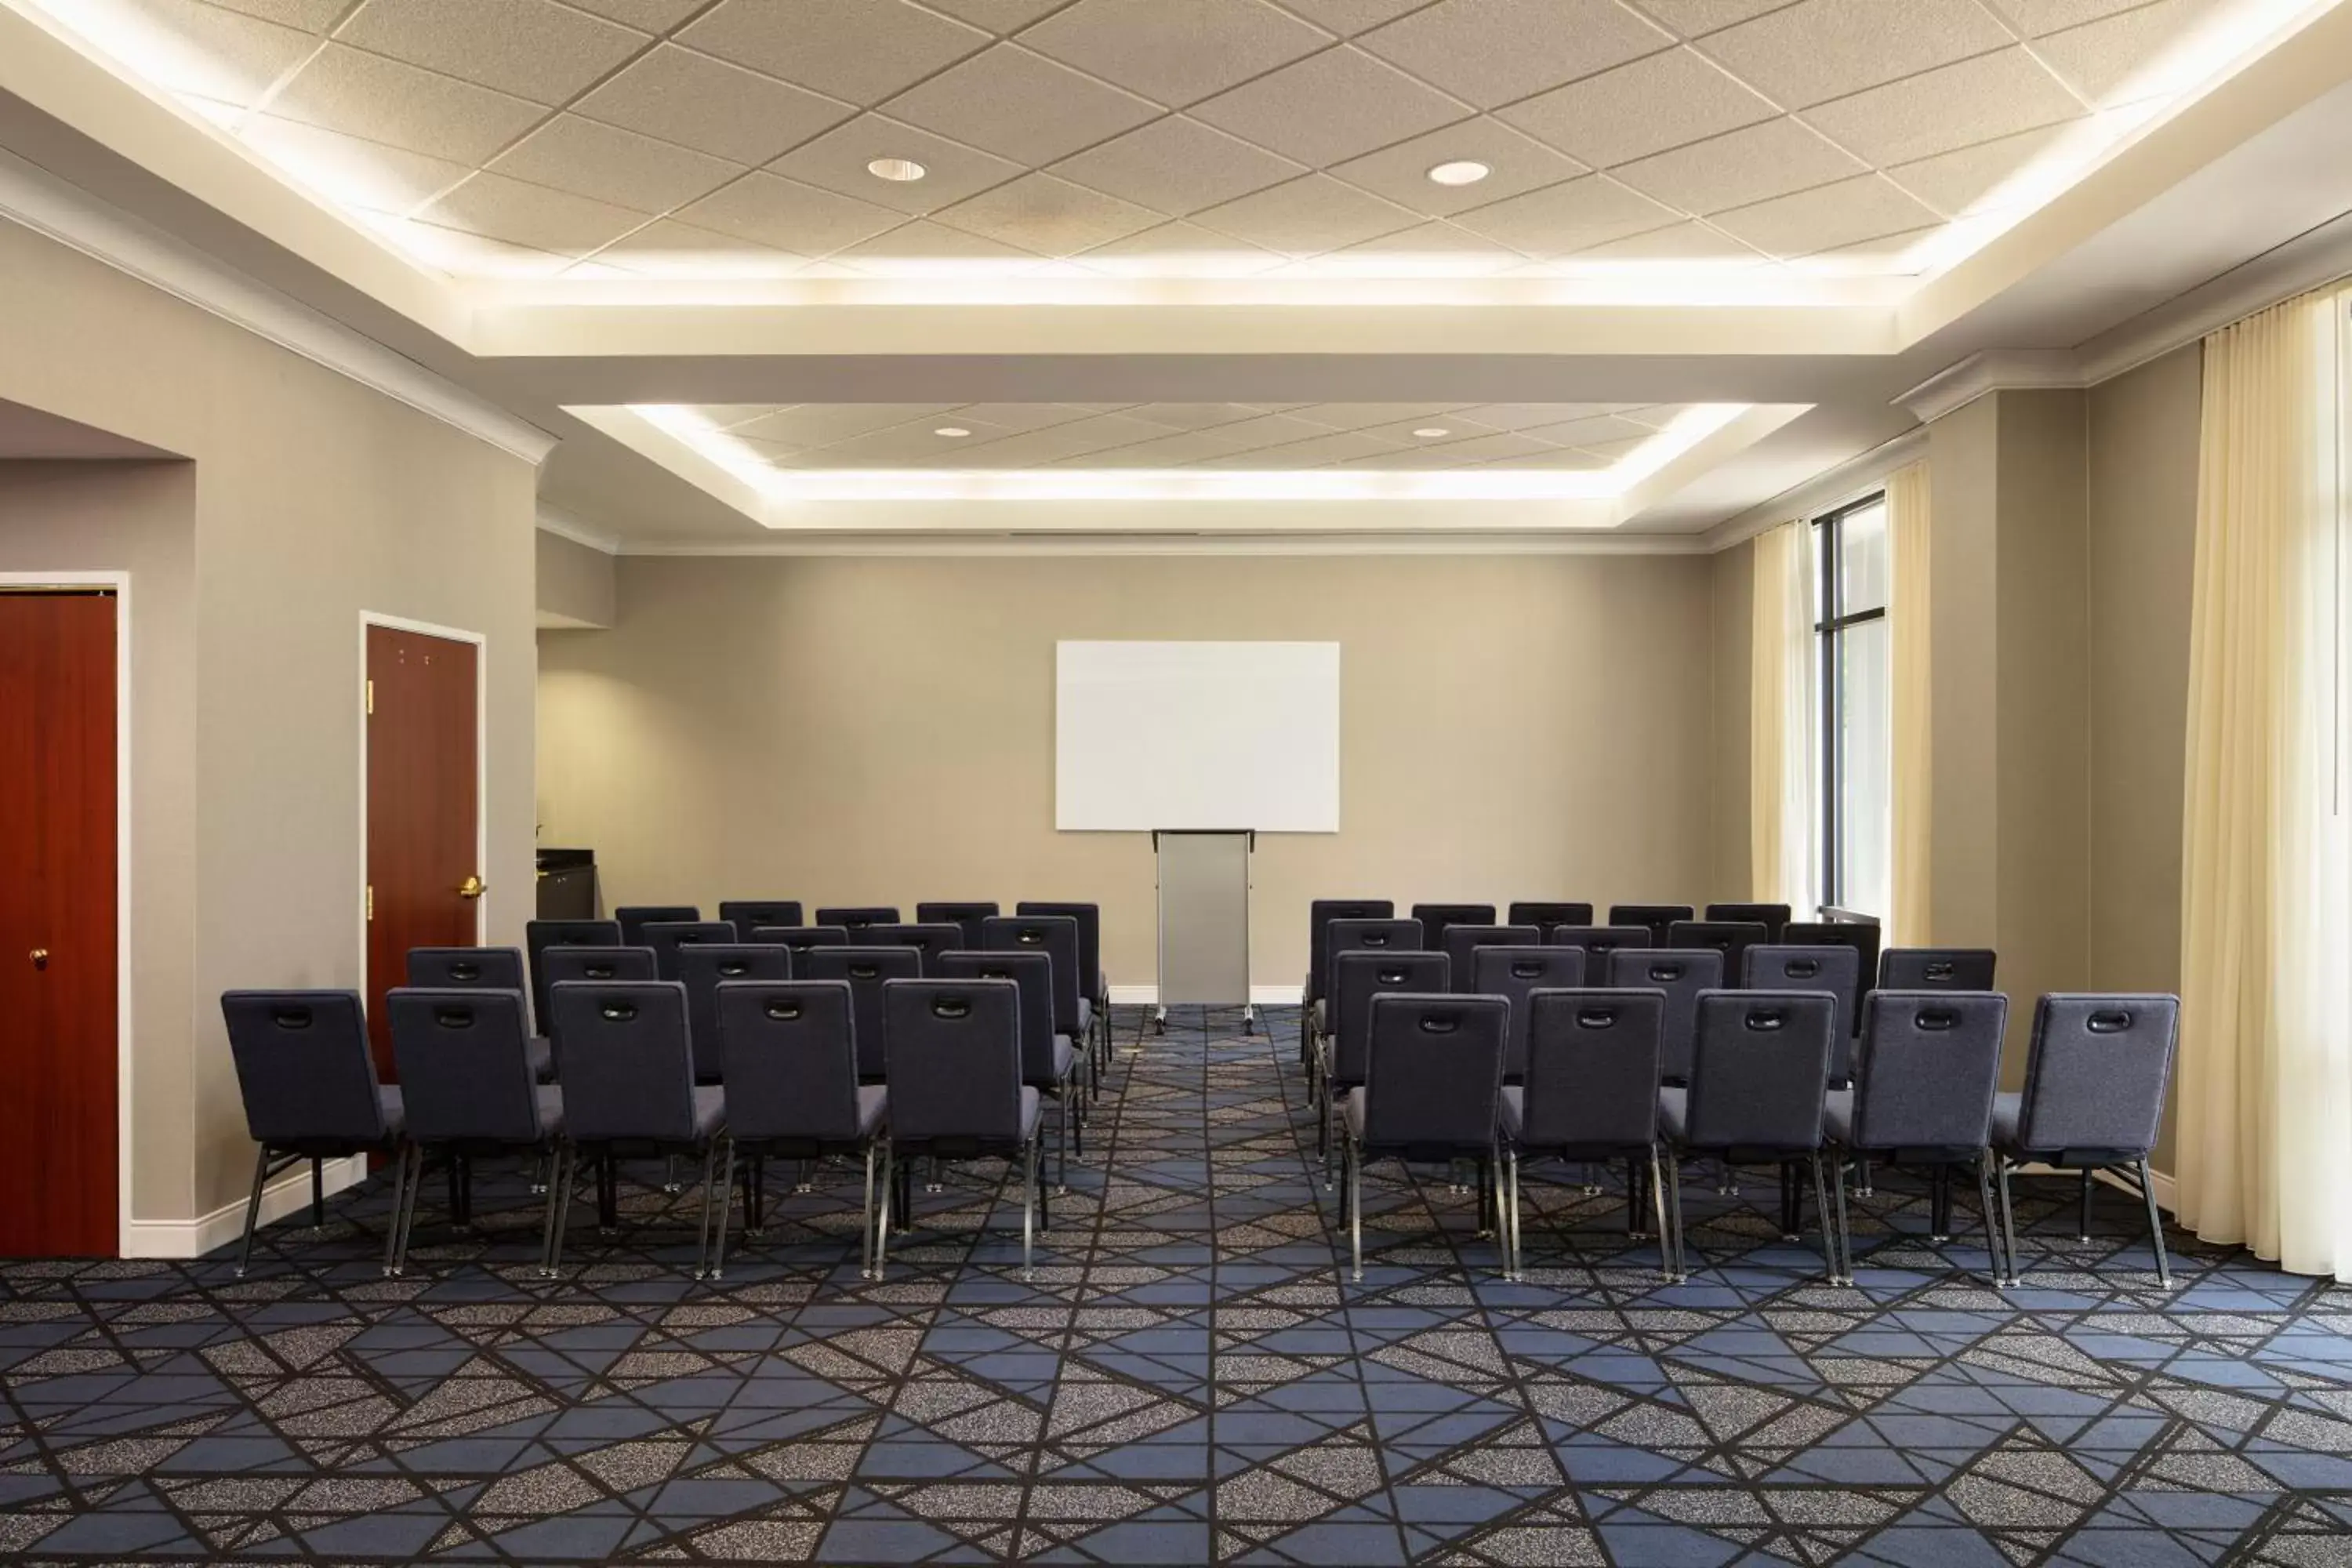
[
  {"x": 597, "y": 971},
  {"x": 1440, "y": 1023},
  {"x": 465, "y": 973},
  {"x": 865, "y": 971},
  {"x": 1765, "y": 1020},
  {"x": 619, "y": 1012},
  {"x": 1596, "y": 1018},
  {"x": 1663, "y": 973},
  {"x": 1801, "y": 968},
  {"x": 2113, "y": 1022},
  {"x": 1031, "y": 936},
  {"x": 687, "y": 938},
  {"x": 1940, "y": 969},
  {"x": 950, "y": 1007},
  {"x": 291, "y": 1017},
  {"x": 454, "y": 1018},
  {"x": 1390, "y": 976},
  {"x": 1375, "y": 939},
  {"x": 1526, "y": 969},
  {"x": 782, "y": 1010},
  {"x": 1937, "y": 1019},
  {"x": 733, "y": 969},
  {"x": 999, "y": 973}
]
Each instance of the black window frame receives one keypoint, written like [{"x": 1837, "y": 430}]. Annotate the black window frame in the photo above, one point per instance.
[{"x": 1829, "y": 628}]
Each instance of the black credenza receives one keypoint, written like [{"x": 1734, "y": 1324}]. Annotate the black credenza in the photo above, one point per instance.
[{"x": 567, "y": 884}]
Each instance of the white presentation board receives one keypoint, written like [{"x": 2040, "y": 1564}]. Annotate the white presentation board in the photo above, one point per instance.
[{"x": 1196, "y": 734}]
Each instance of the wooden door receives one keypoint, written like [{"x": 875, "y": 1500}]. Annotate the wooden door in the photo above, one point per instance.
[
  {"x": 58, "y": 962},
  {"x": 423, "y": 884}
]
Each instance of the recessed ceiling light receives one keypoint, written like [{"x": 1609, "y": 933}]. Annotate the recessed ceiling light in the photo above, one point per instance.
[
  {"x": 953, "y": 432},
  {"x": 1432, "y": 432},
  {"x": 898, "y": 169},
  {"x": 1461, "y": 172}
]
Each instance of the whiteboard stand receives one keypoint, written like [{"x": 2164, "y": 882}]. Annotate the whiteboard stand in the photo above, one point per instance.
[{"x": 1204, "y": 948}]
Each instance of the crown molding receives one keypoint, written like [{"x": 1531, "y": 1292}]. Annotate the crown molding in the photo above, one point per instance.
[
  {"x": 1994, "y": 369},
  {"x": 1826, "y": 491},
  {"x": 563, "y": 525},
  {"x": 36, "y": 199},
  {"x": 1151, "y": 545}
]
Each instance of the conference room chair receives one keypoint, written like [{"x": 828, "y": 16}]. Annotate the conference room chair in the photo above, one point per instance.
[
  {"x": 1730, "y": 937},
  {"x": 790, "y": 1059},
  {"x": 1514, "y": 974},
  {"x": 1094, "y": 985},
  {"x": 1862, "y": 936},
  {"x": 665, "y": 937},
  {"x": 702, "y": 970},
  {"x": 635, "y": 918},
  {"x": 1436, "y": 920},
  {"x": 746, "y": 915},
  {"x": 1937, "y": 969},
  {"x": 1658, "y": 920},
  {"x": 1544, "y": 916},
  {"x": 629, "y": 1093},
  {"x": 1773, "y": 917},
  {"x": 867, "y": 970},
  {"x": 966, "y": 915},
  {"x": 1770, "y": 966},
  {"x": 1432, "y": 1094},
  {"x": 1358, "y": 933},
  {"x": 1320, "y": 913},
  {"x": 538, "y": 936},
  {"x": 799, "y": 938},
  {"x": 855, "y": 917},
  {"x": 1759, "y": 1077},
  {"x": 956, "y": 1096},
  {"x": 468, "y": 1091},
  {"x": 1049, "y": 1061},
  {"x": 1590, "y": 1096},
  {"x": 484, "y": 969},
  {"x": 2094, "y": 1095},
  {"x": 598, "y": 964},
  {"x": 1356, "y": 977},
  {"x": 311, "y": 1092},
  {"x": 1924, "y": 1098},
  {"x": 928, "y": 941},
  {"x": 1679, "y": 975},
  {"x": 1056, "y": 936},
  {"x": 1460, "y": 941},
  {"x": 1597, "y": 942}
]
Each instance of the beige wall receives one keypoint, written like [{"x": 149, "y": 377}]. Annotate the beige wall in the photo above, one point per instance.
[
  {"x": 310, "y": 498},
  {"x": 1732, "y": 873},
  {"x": 882, "y": 729},
  {"x": 575, "y": 584}
]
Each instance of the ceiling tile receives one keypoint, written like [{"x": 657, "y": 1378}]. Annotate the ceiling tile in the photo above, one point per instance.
[
  {"x": 1080, "y": 438},
  {"x": 1682, "y": 242},
  {"x": 352, "y": 171},
  {"x": 1179, "y": 450},
  {"x": 523, "y": 214},
  {"x": 1828, "y": 216},
  {"x": 1586, "y": 431},
  {"x": 460, "y": 254},
  {"x": 188, "y": 47},
  {"x": 838, "y": 160},
  {"x": 532, "y": 48},
  {"x": 1492, "y": 448},
  {"x": 1004, "y": 16},
  {"x": 2038, "y": 17},
  {"x": 1568, "y": 217},
  {"x": 1820, "y": 49},
  {"x": 1021, "y": 105},
  {"x": 1402, "y": 173},
  {"x": 1455, "y": 425},
  {"x": 384, "y": 100},
  {"x": 1494, "y": 52},
  {"x": 789, "y": 214},
  {"x": 726, "y": 416},
  {"x": 1740, "y": 166},
  {"x": 1409, "y": 459},
  {"x": 1372, "y": 415},
  {"x": 861, "y": 50},
  {"x": 1954, "y": 183},
  {"x": 1181, "y": 250},
  {"x": 1174, "y": 54},
  {"x": 917, "y": 442},
  {"x": 822, "y": 424},
  {"x": 1349, "y": 18},
  {"x": 1663, "y": 101},
  {"x": 1263, "y": 430},
  {"x": 1307, "y": 217},
  {"x": 647, "y": 15},
  {"x": 1322, "y": 450},
  {"x": 1696, "y": 18},
  {"x": 1568, "y": 458},
  {"x": 926, "y": 248},
  {"x": 1014, "y": 418},
  {"x": 1953, "y": 105},
  {"x": 1178, "y": 165},
  {"x": 311, "y": 15},
  {"x": 1424, "y": 250},
  {"x": 1192, "y": 416},
  {"x": 711, "y": 106},
  {"x": 1050, "y": 216},
  {"x": 1331, "y": 106},
  {"x": 591, "y": 159},
  {"x": 2100, "y": 60},
  {"x": 672, "y": 249},
  {"x": 1882, "y": 255}
]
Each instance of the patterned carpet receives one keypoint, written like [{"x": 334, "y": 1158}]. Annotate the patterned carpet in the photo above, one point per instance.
[{"x": 1188, "y": 1379}]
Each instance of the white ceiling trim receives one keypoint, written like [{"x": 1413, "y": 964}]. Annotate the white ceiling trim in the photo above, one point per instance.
[
  {"x": 38, "y": 200},
  {"x": 1199, "y": 544},
  {"x": 1826, "y": 491},
  {"x": 563, "y": 525},
  {"x": 1994, "y": 369}
]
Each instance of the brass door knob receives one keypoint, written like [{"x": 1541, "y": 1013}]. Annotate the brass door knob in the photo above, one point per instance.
[
  {"x": 472, "y": 888},
  {"x": 40, "y": 956}
]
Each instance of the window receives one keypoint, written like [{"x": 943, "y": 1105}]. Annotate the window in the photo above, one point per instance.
[{"x": 1854, "y": 676}]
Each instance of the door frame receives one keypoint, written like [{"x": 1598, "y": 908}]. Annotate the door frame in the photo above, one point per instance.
[
  {"x": 124, "y": 1066},
  {"x": 481, "y": 762}
]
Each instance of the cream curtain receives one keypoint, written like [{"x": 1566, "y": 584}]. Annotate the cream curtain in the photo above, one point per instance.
[
  {"x": 2265, "y": 1135},
  {"x": 1782, "y": 721},
  {"x": 1912, "y": 768}
]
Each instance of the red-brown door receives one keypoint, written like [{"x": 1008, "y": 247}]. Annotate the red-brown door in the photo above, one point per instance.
[
  {"x": 58, "y": 933},
  {"x": 425, "y": 886}
]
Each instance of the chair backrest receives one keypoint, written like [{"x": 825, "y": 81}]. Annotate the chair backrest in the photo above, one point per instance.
[
  {"x": 1658, "y": 920},
  {"x": 1461, "y": 942},
  {"x": 561, "y": 963},
  {"x": 1033, "y": 974},
  {"x": 1859, "y": 935},
  {"x": 1771, "y": 916},
  {"x": 635, "y": 918},
  {"x": 465, "y": 1064},
  {"x": 1730, "y": 937},
  {"x": 799, "y": 937},
  {"x": 2094, "y": 1078},
  {"x": 629, "y": 1069},
  {"x": 789, "y": 1054},
  {"x": 1356, "y": 978},
  {"x": 1320, "y": 913},
  {"x": 955, "y": 1060},
  {"x": 302, "y": 1066},
  {"x": 1837, "y": 970},
  {"x": 854, "y": 916},
  {"x": 1598, "y": 943},
  {"x": 1435, "y": 918},
  {"x": 1930, "y": 1065},
  {"x": 1937, "y": 969},
  {"x": 1681, "y": 973},
  {"x": 966, "y": 915},
  {"x": 1512, "y": 972},
  {"x": 1544, "y": 916},
  {"x": 487, "y": 968},
  {"x": 665, "y": 937},
  {"x": 1592, "y": 1066},
  {"x": 1759, "y": 1070},
  {"x": 702, "y": 970},
  {"x": 1053, "y": 935},
  {"x": 746, "y": 915},
  {"x": 1435, "y": 1073},
  {"x": 1089, "y": 919},
  {"x": 928, "y": 940},
  {"x": 538, "y": 936},
  {"x": 867, "y": 970},
  {"x": 1367, "y": 934}
]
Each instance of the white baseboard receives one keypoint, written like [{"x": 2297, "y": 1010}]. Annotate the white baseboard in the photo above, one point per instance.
[
  {"x": 195, "y": 1238},
  {"x": 1260, "y": 996}
]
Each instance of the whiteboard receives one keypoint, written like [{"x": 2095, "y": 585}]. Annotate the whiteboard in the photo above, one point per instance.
[{"x": 1196, "y": 734}]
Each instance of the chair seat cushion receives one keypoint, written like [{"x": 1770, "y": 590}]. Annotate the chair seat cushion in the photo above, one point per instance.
[
  {"x": 1838, "y": 1113},
  {"x": 395, "y": 1114},
  {"x": 1031, "y": 1108},
  {"x": 1353, "y": 1111},
  {"x": 710, "y": 1109},
  {"x": 873, "y": 1100},
  {"x": 542, "y": 1058},
  {"x": 1673, "y": 1112},
  {"x": 2006, "y": 1109},
  {"x": 1514, "y": 1109},
  {"x": 551, "y": 1110}
]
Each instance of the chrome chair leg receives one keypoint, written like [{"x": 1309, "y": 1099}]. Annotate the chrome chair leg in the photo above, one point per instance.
[
  {"x": 726, "y": 1207},
  {"x": 1667, "y": 1241},
  {"x": 253, "y": 1208},
  {"x": 2155, "y": 1227}
]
